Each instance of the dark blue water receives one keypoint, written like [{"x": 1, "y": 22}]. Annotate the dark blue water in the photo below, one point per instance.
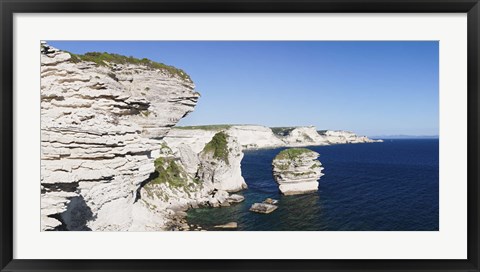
[{"x": 366, "y": 187}]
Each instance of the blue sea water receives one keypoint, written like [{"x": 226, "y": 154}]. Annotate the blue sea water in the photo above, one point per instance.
[{"x": 389, "y": 186}]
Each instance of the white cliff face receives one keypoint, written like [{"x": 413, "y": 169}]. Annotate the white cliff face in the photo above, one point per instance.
[
  {"x": 95, "y": 124},
  {"x": 297, "y": 171},
  {"x": 252, "y": 137},
  {"x": 249, "y": 137},
  {"x": 170, "y": 98},
  {"x": 224, "y": 173},
  {"x": 304, "y": 136},
  {"x": 188, "y": 158},
  {"x": 257, "y": 137},
  {"x": 158, "y": 97},
  {"x": 171, "y": 190},
  {"x": 220, "y": 163},
  {"x": 195, "y": 139},
  {"x": 176, "y": 186},
  {"x": 168, "y": 190},
  {"x": 345, "y": 137}
]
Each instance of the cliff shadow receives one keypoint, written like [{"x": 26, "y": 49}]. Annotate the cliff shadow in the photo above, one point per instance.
[
  {"x": 152, "y": 176},
  {"x": 77, "y": 215}
]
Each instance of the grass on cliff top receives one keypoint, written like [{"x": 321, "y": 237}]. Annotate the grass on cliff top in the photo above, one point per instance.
[
  {"x": 291, "y": 153},
  {"x": 218, "y": 146},
  {"x": 100, "y": 59},
  {"x": 207, "y": 127}
]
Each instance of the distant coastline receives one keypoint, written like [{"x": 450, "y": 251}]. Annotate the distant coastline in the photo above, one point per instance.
[{"x": 391, "y": 137}]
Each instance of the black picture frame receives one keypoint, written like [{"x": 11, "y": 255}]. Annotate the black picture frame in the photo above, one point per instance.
[{"x": 9, "y": 7}]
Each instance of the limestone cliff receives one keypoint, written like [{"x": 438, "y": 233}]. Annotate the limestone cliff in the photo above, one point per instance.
[
  {"x": 255, "y": 137},
  {"x": 213, "y": 155},
  {"x": 99, "y": 123},
  {"x": 345, "y": 137},
  {"x": 304, "y": 136},
  {"x": 169, "y": 189},
  {"x": 252, "y": 137},
  {"x": 194, "y": 138},
  {"x": 297, "y": 171},
  {"x": 220, "y": 163}
]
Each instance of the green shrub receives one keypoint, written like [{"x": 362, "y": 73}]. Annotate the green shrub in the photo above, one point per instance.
[
  {"x": 145, "y": 113},
  {"x": 74, "y": 57},
  {"x": 291, "y": 153},
  {"x": 218, "y": 146},
  {"x": 102, "y": 59},
  {"x": 168, "y": 171},
  {"x": 282, "y": 166}
]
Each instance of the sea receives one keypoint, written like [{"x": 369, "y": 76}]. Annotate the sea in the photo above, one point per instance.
[{"x": 389, "y": 186}]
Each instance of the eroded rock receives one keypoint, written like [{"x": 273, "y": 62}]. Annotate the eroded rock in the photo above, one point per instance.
[
  {"x": 100, "y": 125},
  {"x": 297, "y": 171},
  {"x": 229, "y": 225},
  {"x": 263, "y": 208},
  {"x": 234, "y": 198}
]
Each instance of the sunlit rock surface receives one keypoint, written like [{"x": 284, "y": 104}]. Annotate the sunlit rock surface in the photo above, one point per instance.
[
  {"x": 297, "y": 171},
  {"x": 220, "y": 163},
  {"x": 99, "y": 131}
]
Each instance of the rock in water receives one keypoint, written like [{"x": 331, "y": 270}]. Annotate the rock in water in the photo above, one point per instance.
[
  {"x": 230, "y": 225},
  {"x": 297, "y": 171},
  {"x": 263, "y": 208},
  {"x": 270, "y": 201},
  {"x": 234, "y": 198},
  {"x": 220, "y": 163}
]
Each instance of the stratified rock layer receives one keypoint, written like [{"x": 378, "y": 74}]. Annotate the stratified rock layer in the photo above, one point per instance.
[
  {"x": 263, "y": 208},
  {"x": 297, "y": 171},
  {"x": 220, "y": 163},
  {"x": 97, "y": 128}
]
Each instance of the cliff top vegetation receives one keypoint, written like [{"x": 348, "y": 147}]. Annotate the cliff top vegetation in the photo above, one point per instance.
[
  {"x": 292, "y": 153},
  {"x": 207, "y": 127},
  {"x": 103, "y": 58},
  {"x": 218, "y": 146}
]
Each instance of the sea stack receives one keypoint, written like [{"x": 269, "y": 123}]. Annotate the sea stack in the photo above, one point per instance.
[
  {"x": 297, "y": 171},
  {"x": 220, "y": 163}
]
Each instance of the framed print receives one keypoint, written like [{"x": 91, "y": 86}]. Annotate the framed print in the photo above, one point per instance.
[{"x": 235, "y": 135}]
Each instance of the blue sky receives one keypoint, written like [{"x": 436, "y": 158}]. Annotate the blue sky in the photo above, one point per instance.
[{"x": 372, "y": 88}]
